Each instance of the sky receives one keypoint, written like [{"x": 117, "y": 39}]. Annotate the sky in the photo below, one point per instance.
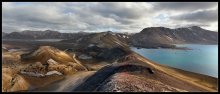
[{"x": 104, "y": 16}]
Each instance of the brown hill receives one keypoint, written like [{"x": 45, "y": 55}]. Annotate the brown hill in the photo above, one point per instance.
[{"x": 51, "y": 59}]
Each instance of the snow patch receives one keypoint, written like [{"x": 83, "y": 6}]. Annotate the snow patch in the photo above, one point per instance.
[
  {"x": 83, "y": 56},
  {"x": 124, "y": 36},
  {"x": 4, "y": 48},
  {"x": 32, "y": 74},
  {"x": 91, "y": 45},
  {"x": 169, "y": 38},
  {"x": 79, "y": 40},
  {"x": 53, "y": 72},
  {"x": 52, "y": 62},
  {"x": 189, "y": 28},
  {"x": 195, "y": 34},
  {"x": 13, "y": 50}
]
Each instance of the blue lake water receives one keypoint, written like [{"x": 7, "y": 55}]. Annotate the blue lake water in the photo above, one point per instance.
[{"x": 201, "y": 59}]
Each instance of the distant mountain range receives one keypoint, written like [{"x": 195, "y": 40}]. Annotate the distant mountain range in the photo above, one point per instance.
[
  {"x": 47, "y": 34},
  {"x": 149, "y": 37},
  {"x": 161, "y": 35}
]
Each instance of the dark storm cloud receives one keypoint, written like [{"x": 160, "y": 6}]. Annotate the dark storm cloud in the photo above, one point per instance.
[
  {"x": 200, "y": 16},
  {"x": 184, "y": 6},
  {"x": 108, "y": 9}
]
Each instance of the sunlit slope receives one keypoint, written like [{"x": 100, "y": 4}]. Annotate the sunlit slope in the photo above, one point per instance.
[
  {"x": 12, "y": 82},
  {"x": 44, "y": 53}
]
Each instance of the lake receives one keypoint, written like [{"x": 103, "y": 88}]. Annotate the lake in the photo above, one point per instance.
[{"x": 201, "y": 59}]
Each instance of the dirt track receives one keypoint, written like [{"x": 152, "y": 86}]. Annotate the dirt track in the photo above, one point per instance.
[{"x": 69, "y": 82}]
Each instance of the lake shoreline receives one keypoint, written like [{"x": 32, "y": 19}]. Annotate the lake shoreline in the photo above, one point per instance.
[
  {"x": 170, "y": 46},
  {"x": 200, "y": 59}
]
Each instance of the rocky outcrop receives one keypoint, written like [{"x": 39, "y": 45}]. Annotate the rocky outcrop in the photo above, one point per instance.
[
  {"x": 39, "y": 70},
  {"x": 35, "y": 69},
  {"x": 36, "y": 74}
]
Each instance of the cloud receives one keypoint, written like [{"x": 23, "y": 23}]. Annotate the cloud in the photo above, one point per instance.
[
  {"x": 98, "y": 16},
  {"x": 122, "y": 10},
  {"x": 204, "y": 16},
  {"x": 184, "y": 6}
]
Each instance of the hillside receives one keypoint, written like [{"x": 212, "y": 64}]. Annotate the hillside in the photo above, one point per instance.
[{"x": 52, "y": 56}]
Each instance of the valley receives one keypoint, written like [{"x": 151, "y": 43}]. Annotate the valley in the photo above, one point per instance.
[{"x": 93, "y": 62}]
